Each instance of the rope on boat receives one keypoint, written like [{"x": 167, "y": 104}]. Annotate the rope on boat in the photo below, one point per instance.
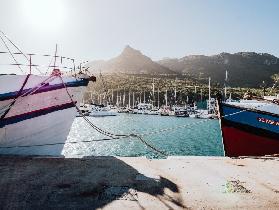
[{"x": 12, "y": 54}]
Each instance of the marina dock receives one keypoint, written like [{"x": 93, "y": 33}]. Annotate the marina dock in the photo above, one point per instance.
[{"x": 139, "y": 183}]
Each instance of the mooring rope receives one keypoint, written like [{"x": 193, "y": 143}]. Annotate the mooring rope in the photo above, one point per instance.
[{"x": 106, "y": 133}]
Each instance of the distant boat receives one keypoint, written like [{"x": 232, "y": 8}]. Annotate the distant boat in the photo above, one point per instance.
[
  {"x": 181, "y": 113},
  {"x": 84, "y": 110},
  {"x": 101, "y": 111},
  {"x": 142, "y": 108},
  {"x": 153, "y": 111},
  {"x": 250, "y": 127},
  {"x": 166, "y": 111},
  {"x": 210, "y": 112}
]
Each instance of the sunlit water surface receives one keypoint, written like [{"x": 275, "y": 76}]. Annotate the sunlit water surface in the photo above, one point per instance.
[{"x": 197, "y": 138}]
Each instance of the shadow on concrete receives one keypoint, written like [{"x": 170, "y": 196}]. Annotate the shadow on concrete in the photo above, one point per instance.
[{"x": 88, "y": 183}]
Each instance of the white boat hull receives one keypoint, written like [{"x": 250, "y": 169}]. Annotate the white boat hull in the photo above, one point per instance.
[
  {"x": 39, "y": 123},
  {"x": 51, "y": 128}
]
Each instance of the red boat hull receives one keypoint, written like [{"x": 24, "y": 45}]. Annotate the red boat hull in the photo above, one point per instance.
[
  {"x": 239, "y": 142},
  {"x": 248, "y": 131}
]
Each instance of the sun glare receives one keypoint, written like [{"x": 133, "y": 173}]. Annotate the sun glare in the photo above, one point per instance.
[{"x": 44, "y": 14}]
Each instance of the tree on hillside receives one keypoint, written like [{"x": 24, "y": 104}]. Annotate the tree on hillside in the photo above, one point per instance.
[{"x": 275, "y": 78}]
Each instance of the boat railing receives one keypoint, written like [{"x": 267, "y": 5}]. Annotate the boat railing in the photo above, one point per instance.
[
  {"x": 30, "y": 63},
  {"x": 12, "y": 56}
]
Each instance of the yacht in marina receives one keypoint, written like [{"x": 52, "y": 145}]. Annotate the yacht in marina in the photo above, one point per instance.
[
  {"x": 101, "y": 111},
  {"x": 142, "y": 108},
  {"x": 181, "y": 113}
]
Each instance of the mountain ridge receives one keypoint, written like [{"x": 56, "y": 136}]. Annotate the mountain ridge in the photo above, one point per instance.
[
  {"x": 246, "y": 69},
  {"x": 130, "y": 61}
]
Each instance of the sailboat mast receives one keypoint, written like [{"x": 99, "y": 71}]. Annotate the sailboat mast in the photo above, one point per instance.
[
  {"x": 117, "y": 103},
  {"x": 112, "y": 96},
  {"x": 195, "y": 97},
  {"x": 124, "y": 95},
  {"x": 129, "y": 105},
  {"x": 175, "y": 95},
  {"x": 166, "y": 97},
  {"x": 153, "y": 93},
  {"x": 226, "y": 80},
  {"x": 144, "y": 96},
  {"x": 133, "y": 99},
  {"x": 158, "y": 99},
  {"x": 175, "y": 91},
  {"x": 209, "y": 93}
]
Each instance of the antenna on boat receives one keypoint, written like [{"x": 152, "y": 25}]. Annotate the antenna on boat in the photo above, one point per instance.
[
  {"x": 55, "y": 55},
  {"x": 55, "y": 71},
  {"x": 226, "y": 83},
  {"x": 30, "y": 64}
]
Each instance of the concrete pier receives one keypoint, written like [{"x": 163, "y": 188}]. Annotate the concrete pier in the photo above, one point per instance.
[{"x": 139, "y": 183}]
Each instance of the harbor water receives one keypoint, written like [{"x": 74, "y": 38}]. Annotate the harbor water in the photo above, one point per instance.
[{"x": 182, "y": 136}]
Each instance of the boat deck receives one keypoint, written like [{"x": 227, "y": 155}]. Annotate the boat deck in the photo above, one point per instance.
[{"x": 139, "y": 183}]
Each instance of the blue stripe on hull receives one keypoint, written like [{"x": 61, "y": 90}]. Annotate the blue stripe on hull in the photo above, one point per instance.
[
  {"x": 251, "y": 118},
  {"x": 46, "y": 88},
  {"x": 15, "y": 119}
]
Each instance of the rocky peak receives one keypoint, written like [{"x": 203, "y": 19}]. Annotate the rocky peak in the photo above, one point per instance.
[
  {"x": 132, "y": 61},
  {"x": 130, "y": 51}
]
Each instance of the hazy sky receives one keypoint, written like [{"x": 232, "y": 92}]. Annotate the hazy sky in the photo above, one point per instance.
[{"x": 100, "y": 29}]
